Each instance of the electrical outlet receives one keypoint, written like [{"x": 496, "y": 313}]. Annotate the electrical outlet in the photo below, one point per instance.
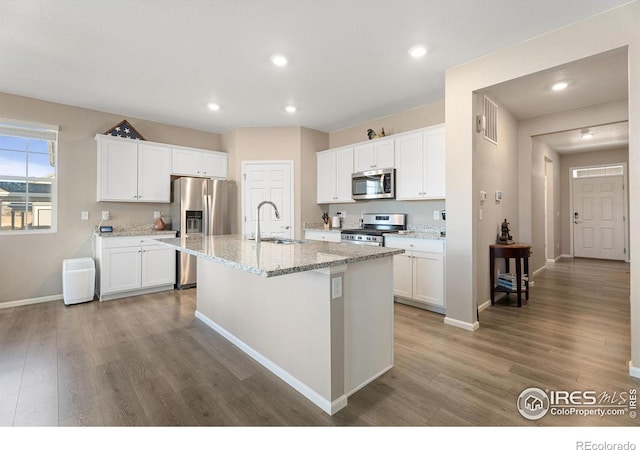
[
  {"x": 436, "y": 215},
  {"x": 84, "y": 215},
  {"x": 105, "y": 215},
  {"x": 480, "y": 214},
  {"x": 156, "y": 214},
  {"x": 336, "y": 287}
]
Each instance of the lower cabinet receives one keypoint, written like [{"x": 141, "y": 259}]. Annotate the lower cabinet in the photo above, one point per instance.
[
  {"x": 319, "y": 235},
  {"x": 135, "y": 265},
  {"x": 418, "y": 274}
]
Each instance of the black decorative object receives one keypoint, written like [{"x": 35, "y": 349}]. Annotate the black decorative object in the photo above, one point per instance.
[
  {"x": 126, "y": 131},
  {"x": 372, "y": 134},
  {"x": 505, "y": 237}
]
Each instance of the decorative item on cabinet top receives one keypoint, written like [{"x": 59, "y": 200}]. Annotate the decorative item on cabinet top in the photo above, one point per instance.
[
  {"x": 125, "y": 130},
  {"x": 371, "y": 134}
]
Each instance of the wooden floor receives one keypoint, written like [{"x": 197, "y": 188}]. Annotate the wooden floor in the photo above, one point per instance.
[{"x": 147, "y": 361}]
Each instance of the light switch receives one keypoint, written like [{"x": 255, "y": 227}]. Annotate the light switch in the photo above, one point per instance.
[
  {"x": 84, "y": 215},
  {"x": 156, "y": 214},
  {"x": 436, "y": 215},
  {"x": 480, "y": 214},
  {"x": 105, "y": 215}
]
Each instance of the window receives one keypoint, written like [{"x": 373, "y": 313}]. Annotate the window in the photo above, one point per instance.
[
  {"x": 28, "y": 174},
  {"x": 603, "y": 171}
]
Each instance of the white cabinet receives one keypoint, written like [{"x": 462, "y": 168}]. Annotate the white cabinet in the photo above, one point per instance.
[
  {"x": 319, "y": 235},
  {"x": 418, "y": 274},
  {"x": 420, "y": 165},
  {"x": 131, "y": 171},
  {"x": 199, "y": 163},
  {"x": 374, "y": 155},
  {"x": 136, "y": 265},
  {"x": 334, "y": 175}
]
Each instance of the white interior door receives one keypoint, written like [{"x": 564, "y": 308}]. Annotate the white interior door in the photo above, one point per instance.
[
  {"x": 598, "y": 217},
  {"x": 268, "y": 181}
]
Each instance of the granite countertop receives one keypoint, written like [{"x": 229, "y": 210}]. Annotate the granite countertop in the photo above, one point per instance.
[
  {"x": 320, "y": 227},
  {"x": 134, "y": 230},
  {"x": 270, "y": 259},
  {"x": 418, "y": 235}
]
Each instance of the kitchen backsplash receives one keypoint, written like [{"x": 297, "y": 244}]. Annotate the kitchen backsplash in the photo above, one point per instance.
[{"x": 419, "y": 213}]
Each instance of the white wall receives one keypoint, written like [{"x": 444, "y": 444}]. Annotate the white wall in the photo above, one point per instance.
[{"x": 602, "y": 33}]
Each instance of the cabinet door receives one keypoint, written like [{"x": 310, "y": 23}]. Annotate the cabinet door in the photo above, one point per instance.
[
  {"x": 409, "y": 167},
  {"x": 384, "y": 154},
  {"x": 120, "y": 269},
  {"x": 435, "y": 154},
  {"x": 154, "y": 174},
  {"x": 327, "y": 176},
  {"x": 403, "y": 275},
  {"x": 158, "y": 266},
  {"x": 428, "y": 279},
  {"x": 186, "y": 162},
  {"x": 344, "y": 169},
  {"x": 317, "y": 235},
  {"x": 214, "y": 165},
  {"x": 117, "y": 171},
  {"x": 364, "y": 157}
]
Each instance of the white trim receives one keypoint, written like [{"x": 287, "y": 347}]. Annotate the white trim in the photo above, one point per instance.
[
  {"x": 363, "y": 384},
  {"x": 483, "y": 306},
  {"x": 460, "y": 324},
  {"x": 634, "y": 371},
  {"x": 536, "y": 273},
  {"x": 132, "y": 293},
  {"x": 565, "y": 256},
  {"x": 551, "y": 261},
  {"x": 330, "y": 407},
  {"x": 31, "y": 301}
]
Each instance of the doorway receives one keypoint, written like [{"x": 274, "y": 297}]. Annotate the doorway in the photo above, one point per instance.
[
  {"x": 599, "y": 212},
  {"x": 270, "y": 181}
]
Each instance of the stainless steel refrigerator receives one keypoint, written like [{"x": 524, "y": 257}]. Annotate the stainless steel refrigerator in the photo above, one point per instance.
[{"x": 200, "y": 206}]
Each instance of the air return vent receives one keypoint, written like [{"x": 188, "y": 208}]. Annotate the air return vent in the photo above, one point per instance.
[{"x": 491, "y": 120}]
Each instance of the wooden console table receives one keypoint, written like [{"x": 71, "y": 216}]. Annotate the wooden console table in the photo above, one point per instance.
[{"x": 519, "y": 252}]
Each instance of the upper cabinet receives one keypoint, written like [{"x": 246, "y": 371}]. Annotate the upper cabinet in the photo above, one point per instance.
[
  {"x": 420, "y": 164},
  {"x": 199, "y": 163},
  {"x": 378, "y": 154},
  {"x": 334, "y": 175},
  {"x": 132, "y": 171}
]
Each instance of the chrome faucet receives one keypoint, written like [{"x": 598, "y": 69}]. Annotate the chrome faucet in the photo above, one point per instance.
[{"x": 258, "y": 218}]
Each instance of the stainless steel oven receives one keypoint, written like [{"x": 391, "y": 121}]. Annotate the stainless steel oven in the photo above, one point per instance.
[
  {"x": 373, "y": 184},
  {"x": 374, "y": 227}
]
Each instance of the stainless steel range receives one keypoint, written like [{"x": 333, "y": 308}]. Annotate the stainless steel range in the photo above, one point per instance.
[{"x": 373, "y": 228}]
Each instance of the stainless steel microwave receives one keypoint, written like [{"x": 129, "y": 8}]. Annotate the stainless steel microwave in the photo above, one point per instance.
[{"x": 373, "y": 184}]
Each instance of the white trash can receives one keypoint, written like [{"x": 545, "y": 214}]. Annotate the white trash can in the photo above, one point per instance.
[{"x": 78, "y": 280}]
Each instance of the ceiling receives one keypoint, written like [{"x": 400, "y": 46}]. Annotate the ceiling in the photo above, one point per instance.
[
  {"x": 165, "y": 60},
  {"x": 599, "y": 79}
]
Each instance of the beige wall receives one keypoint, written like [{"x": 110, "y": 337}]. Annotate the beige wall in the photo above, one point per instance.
[
  {"x": 31, "y": 264},
  {"x": 280, "y": 144},
  {"x": 583, "y": 159},
  {"x": 495, "y": 168},
  {"x": 423, "y": 116},
  {"x": 540, "y": 151},
  {"x": 602, "y": 33}
]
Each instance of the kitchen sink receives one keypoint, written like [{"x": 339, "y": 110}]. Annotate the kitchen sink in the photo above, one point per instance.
[{"x": 278, "y": 240}]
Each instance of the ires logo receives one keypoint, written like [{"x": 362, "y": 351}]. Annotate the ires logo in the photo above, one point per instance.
[{"x": 534, "y": 403}]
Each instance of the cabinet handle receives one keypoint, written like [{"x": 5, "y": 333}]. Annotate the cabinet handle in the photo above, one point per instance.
[{"x": 204, "y": 172}]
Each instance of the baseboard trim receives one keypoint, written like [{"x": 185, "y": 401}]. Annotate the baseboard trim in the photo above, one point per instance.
[
  {"x": 566, "y": 256},
  {"x": 31, "y": 301},
  {"x": 330, "y": 407},
  {"x": 634, "y": 371},
  {"x": 537, "y": 272},
  {"x": 484, "y": 306},
  {"x": 363, "y": 384},
  {"x": 460, "y": 324}
]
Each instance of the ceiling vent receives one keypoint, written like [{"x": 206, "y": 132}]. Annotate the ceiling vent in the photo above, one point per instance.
[{"x": 490, "y": 113}]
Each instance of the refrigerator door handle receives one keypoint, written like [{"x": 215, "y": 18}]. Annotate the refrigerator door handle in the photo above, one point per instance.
[{"x": 207, "y": 210}]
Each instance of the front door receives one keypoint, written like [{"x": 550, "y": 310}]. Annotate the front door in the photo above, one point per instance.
[
  {"x": 598, "y": 217},
  {"x": 271, "y": 181}
]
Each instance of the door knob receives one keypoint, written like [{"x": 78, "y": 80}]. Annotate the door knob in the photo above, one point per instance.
[{"x": 286, "y": 227}]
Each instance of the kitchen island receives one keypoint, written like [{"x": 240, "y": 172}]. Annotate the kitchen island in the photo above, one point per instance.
[{"x": 319, "y": 315}]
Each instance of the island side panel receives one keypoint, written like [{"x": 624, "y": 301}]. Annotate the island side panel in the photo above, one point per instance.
[
  {"x": 285, "y": 320},
  {"x": 369, "y": 321}
]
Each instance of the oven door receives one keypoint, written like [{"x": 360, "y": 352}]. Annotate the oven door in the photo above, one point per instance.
[
  {"x": 373, "y": 184},
  {"x": 347, "y": 240}
]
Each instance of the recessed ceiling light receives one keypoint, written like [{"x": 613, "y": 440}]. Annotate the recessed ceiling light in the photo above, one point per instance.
[
  {"x": 560, "y": 86},
  {"x": 418, "y": 51},
  {"x": 213, "y": 106},
  {"x": 279, "y": 60},
  {"x": 290, "y": 108},
  {"x": 586, "y": 134}
]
